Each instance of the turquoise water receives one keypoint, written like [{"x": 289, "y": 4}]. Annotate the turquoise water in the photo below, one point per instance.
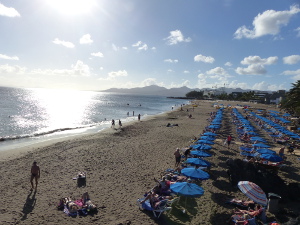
[{"x": 32, "y": 115}]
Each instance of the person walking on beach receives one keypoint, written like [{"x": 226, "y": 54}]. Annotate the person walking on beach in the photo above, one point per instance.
[
  {"x": 177, "y": 157},
  {"x": 120, "y": 124},
  {"x": 139, "y": 117},
  {"x": 229, "y": 138},
  {"x": 35, "y": 174},
  {"x": 113, "y": 123}
]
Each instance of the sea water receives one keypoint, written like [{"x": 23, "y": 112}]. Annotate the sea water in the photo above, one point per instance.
[{"x": 30, "y": 116}]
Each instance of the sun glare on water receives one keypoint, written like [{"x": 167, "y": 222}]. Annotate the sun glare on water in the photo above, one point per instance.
[{"x": 72, "y": 7}]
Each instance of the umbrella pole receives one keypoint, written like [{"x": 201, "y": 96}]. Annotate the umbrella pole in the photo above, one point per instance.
[{"x": 184, "y": 205}]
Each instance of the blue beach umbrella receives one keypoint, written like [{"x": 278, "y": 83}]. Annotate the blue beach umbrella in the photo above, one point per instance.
[
  {"x": 214, "y": 126},
  {"x": 261, "y": 145},
  {"x": 271, "y": 157},
  {"x": 187, "y": 189},
  {"x": 201, "y": 147},
  {"x": 201, "y": 154},
  {"x": 195, "y": 173},
  {"x": 197, "y": 162},
  {"x": 259, "y": 139},
  {"x": 205, "y": 142},
  {"x": 209, "y": 138},
  {"x": 265, "y": 151},
  {"x": 210, "y": 134}
]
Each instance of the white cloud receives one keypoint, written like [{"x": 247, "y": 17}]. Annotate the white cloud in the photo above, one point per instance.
[
  {"x": 201, "y": 76},
  {"x": 140, "y": 46},
  {"x": 298, "y": 31},
  {"x": 185, "y": 83},
  {"x": 217, "y": 71},
  {"x": 267, "y": 23},
  {"x": 176, "y": 37},
  {"x": 11, "y": 69},
  {"x": 186, "y": 71},
  {"x": 292, "y": 59},
  {"x": 257, "y": 60},
  {"x": 291, "y": 72},
  {"x": 253, "y": 69},
  {"x": 235, "y": 84},
  {"x": 171, "y": 60},
  {"x": 63, "y": 43},
  {"x": 9, "y": 57},
  {"x": 151, "y": 81},
  {"x": 143, "y": 47},
  {"x": 137, "y": 44},
  {"x": 8, "y": 11},
  {"x": 170, "y": 71},
  {"x": 202, "y": 58},
  {"x": 228, "y": 64},
  {"x": 263, "y": 86},
  {"x": 97, "y": 54},
  {"x": 81, "y": 69},
  {"x": 86, "y": 39},
  {"x": 256, "y": 65},
  {"x": 116, "y": 48},
  {"x": 120, "y": 73},
  {"x": 294, "y": 73}
]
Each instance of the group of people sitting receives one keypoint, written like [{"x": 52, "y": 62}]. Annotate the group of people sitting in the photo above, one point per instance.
[
  {"x": 247, "y": 212},
  {"x": 161, "y": 191},
  {"x": 81, "y": 206}
]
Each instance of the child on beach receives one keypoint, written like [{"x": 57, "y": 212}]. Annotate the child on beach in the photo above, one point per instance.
[{"x": 35, "y": 174}]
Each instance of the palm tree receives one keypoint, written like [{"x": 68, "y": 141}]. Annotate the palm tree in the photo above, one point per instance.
[{"x": 291, "y": 102}]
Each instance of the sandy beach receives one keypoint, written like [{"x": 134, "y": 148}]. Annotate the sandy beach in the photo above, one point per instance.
[{"x": 120, "y": 166}]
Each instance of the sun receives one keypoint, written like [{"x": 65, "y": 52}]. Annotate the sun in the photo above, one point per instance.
[{"x": 72, "y": 7}]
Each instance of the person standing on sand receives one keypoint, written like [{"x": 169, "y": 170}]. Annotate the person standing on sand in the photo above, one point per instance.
[
  {"x": 177, "y": 157},
  {"x": 229, "y": 138},
  {"x": 35, "y": 174},
  {"x": 113, "y": 123},
  {"x": 139, "y": 117},
  {"x": 120, "y": 124}
]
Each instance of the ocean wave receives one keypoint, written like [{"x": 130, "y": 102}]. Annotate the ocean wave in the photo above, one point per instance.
[{"x": 44, "y": 133}]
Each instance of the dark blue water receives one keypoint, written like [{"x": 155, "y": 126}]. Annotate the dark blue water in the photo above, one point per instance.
[{"x": 30, "y": 114}]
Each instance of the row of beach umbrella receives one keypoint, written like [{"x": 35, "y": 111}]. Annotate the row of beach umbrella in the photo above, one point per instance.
[
  {"x": 277, "y": 127},
  {"x": 199, "y": 151},
  {"x": 258, "y": 143}
]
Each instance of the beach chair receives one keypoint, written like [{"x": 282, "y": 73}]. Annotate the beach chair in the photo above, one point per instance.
[
  {"x": 81, "y": 179},
  {"x": 171, "y": 202},
  {"x": 161, "y": 208},
  {"x": 240, "y": 220}
]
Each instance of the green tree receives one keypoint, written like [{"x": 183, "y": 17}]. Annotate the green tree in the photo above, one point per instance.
[
  {"x": 291, "y": 102},
  {"x": 195, "y": 94}
]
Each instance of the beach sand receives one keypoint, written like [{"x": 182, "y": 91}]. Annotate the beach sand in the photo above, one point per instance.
[{"x": 120, "y": 167}]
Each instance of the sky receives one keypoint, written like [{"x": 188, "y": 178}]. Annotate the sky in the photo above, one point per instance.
[{"x": 101, "y": 44}]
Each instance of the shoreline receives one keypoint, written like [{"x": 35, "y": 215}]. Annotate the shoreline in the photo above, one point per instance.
[
  {"x": 120, "y": 167},
  {"x": 23, "y": 147}
]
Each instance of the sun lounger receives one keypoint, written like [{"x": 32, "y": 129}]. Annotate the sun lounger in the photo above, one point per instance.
[{"x": 161, "y": 208}]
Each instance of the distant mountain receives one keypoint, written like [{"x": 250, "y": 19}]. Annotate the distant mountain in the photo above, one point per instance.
[
  {"x": 152, "y": 90},
  {"x": 162, "y": 91}
]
